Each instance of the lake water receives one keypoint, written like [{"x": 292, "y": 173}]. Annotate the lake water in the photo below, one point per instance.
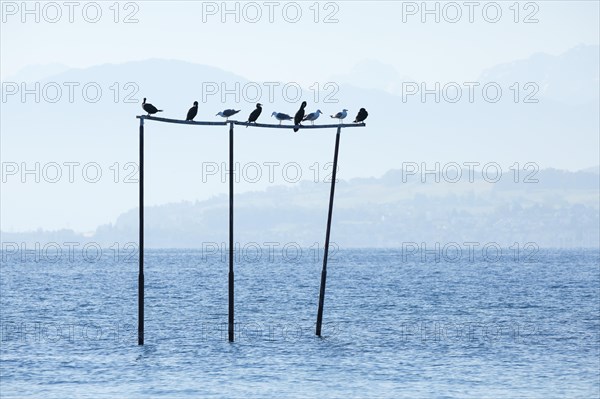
[{"x": 394, "y": 325}]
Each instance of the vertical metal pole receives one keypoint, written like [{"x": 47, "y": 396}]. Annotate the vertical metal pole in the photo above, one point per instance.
[
  {"x": 324, "y": 272},
  {"x": 141, "y": 241},
  {"x": 230, "y": 324}
]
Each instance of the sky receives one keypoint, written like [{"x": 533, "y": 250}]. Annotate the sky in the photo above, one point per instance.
[
  {"x": 306, "y": 42},
  {"x": 346, "y": 33}
]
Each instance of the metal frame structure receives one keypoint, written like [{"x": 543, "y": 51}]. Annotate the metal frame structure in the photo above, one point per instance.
[{"x": 231, "y": 124}]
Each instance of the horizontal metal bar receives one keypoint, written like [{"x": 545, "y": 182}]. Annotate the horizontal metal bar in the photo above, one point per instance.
[
  {"x": 181, "y": 122},
  {"x": 266, "y": 125},
  {"x": 335, "y": 126}
]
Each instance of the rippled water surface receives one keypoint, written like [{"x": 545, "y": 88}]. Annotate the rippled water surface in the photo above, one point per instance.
[{"x": 394, "y": 326}]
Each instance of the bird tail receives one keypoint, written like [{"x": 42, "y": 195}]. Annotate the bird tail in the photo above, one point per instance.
[
  {"x": 296, "y": 128},
  {"x": 332, "y": 116}
]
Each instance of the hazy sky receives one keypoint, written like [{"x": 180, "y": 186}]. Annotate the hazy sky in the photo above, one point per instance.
[
  {"x": 387, "y": 31},
  {"x": 453, "y": 42}
]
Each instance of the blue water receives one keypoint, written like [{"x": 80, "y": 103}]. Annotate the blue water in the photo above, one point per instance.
[{"x": 393, "y": 326}]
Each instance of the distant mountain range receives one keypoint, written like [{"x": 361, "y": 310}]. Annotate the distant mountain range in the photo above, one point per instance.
[
  {"x": 569, "y": 78},
  {"x": 560, "y": 131}
]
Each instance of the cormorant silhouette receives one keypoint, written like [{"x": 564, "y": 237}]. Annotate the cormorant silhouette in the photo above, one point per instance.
[
  {"x": 361, "y": 116},
  {"x": 149, "y": 108},
  {"x": 299, "y": 116},
  {"x": 192, "y": 112},
  {"x": 255, "y": 114}
]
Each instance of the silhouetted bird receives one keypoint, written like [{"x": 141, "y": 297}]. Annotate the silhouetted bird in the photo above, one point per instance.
[
  {"x": 361, "y": 116},
  {"x": 340, "y": 115},
  {"x": 149, "y": 108},
  {"x": 227, "y": 113},
  {"x": 299, "y": 116},
  {"x": 192, "y": 112},
  {"x": 281, "y": 117},
  {"x": 313, "y": 116},
  {"x": 255, "y": 114}
]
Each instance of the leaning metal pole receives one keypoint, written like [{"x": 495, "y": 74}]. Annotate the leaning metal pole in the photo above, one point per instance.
[{"x": 330, "y": 214}]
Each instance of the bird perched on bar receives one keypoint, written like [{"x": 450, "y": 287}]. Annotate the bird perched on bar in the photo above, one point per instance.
[
  {"x": 227, "y": 113},
  {"x": 361, "y": 116},
  {"x": 281, "y": 117},
  {"x": 312, "y": 117},
  {"x": 192, "y": 112},
  {"x": 340, "y": 115},
  {"x": 299, "y": 116},
  {"x": 255, "y": 114},
  {"x": 149, "y": 108}
]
